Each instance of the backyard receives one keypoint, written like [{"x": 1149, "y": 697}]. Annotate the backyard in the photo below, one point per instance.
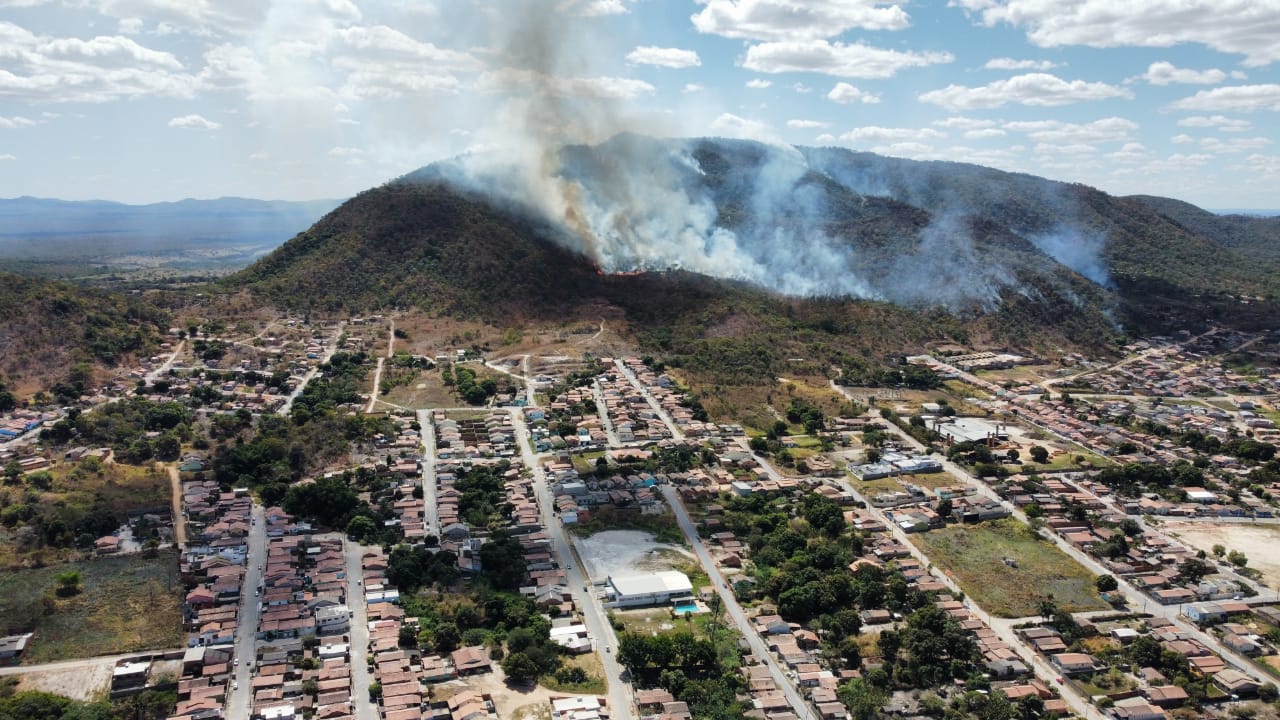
[{"x": 975, "y": 556}]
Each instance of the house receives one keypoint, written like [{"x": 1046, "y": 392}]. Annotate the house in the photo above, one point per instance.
[
  {"x": 653, "y": 700},
  {"x": 472, "y": 660},
  {"x": 1073, "y": 663},
  {"x": 1137, "y": 711},
  {"x": 1166, "y": 695},
  {"x": 333, "y": 620},
  {"x": 12, "y": 647},
  {"x": 1234, "y": 682}
]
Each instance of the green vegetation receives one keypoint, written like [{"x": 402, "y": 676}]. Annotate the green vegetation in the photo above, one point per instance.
[
  {"x": 126, "y": 603},
  {"x": 35, "y": 705},
  {"x": 975, "y": 555},
  {"x": 123, "y": 426},
  {"x": 57, "y": 334},
  {"x": 663, "y": 527},
  {"x": 55, "y": 514}
]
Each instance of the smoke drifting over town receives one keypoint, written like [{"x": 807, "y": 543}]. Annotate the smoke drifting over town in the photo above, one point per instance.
[{"x": 784, "y": 218}]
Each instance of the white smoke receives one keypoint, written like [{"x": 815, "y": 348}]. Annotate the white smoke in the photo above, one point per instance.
[{"x": 565, "y": 144}]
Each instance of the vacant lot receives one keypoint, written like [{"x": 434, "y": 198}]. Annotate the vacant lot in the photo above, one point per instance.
[
  {"x": 974, "y": 555},
  {"x": 1257, "y": 542},
  {"x": 126, "y": 604},
  {"x": 41, "y": 522}
]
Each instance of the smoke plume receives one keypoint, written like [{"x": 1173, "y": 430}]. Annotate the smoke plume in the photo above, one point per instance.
[{"x": 802, "y": 222}]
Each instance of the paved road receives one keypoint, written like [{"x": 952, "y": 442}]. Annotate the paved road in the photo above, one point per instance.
[
  {"x": 360, "y": 678},
  {"x": 332, "y": 347},
  {"x": 621, "y": 703},
  {"x": 730, "y": 603},
  {"x": 240, "y": 700},
  {"x": 676, "y": 434},
  {"x": 428, "y": 478},
  {"x": 603, "y": 412}
]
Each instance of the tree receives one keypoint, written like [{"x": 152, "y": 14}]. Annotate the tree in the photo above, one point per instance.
[
  {"x": 447, "y": 637},
  {"x": 68, "y": 583},
  {"x": 862, "y": 699},
  {"x": 1106, "y": 583},
  {"x": 1012, "y": 455},
  {"x": 1039, "y": 454},
  {"x": 1192, "y": 570},
  {"x": 520, "y": 668},
  {"x": 1219, "y": 551},
  {"x": 1237, "y": 558},
  {"x": 361, "y": 528}
]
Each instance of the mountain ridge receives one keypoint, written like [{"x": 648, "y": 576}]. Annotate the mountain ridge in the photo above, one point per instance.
[{"x": 944, "y": 250}]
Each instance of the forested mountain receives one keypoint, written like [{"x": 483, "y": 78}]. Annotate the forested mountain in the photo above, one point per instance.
[{"x": 740, "y": 247}]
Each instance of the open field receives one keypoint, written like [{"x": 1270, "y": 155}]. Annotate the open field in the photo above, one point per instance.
[
  {"x": 1257, "y": 542},
  {"x": 126, "y": 604},
  {"x": 974, "y": 555}
]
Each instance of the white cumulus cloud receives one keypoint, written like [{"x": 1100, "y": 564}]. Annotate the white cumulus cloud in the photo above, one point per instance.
[
  {"x": 1234, "y": 98},
  {"x": 781, "y": 20},
  {"x": 846, "y": 94},
  {"x": 1221, "y": 122},
  {"x": 837, "y": 59},
  {"x": 663, "y": 57},
  {"x": 759, "y": 84},
  {"x": 1036, "y": 89},
  {"x": 1005, "y": 63},
  {"x": 807, "y": 124},
  {"x": 874, "y": 134},
  {"x": 1247, "y": 27},
  {"x": 1165, "y": 73},
  {"x": 194, "y": 122}
]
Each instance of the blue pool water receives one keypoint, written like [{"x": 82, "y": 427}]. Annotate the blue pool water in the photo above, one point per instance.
[{"x": 685, "y": 609}]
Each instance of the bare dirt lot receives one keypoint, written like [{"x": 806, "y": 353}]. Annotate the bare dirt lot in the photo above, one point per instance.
[
  {"x": 619, "y": 552},
  {"x": 1257, "y": 542},
  {"x": 88, "y": 681},
  {"x": 515, "y": 702}
]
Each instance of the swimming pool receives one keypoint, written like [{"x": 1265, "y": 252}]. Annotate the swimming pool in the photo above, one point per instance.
[{"x": 686, "y": 608}]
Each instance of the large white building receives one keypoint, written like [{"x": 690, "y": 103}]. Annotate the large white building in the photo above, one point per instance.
[{"x": 657, "y": 588}]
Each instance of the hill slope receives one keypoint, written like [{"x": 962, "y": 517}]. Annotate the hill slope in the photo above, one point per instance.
[
  {"x": 889, "y": 253},
  {"x": 55, "y": 334}
]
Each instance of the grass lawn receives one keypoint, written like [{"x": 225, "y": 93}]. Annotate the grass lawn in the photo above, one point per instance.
[
  {"x": 974, "y": 556},
  {"x": 126, "y": 604}
]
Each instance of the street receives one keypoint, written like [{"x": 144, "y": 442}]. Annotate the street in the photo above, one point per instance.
[
  {"x": 593, "y": 616},
  {"x": 730, "y": 603},
  {"x": 240, "y": 699},
  {"x": 359, "y": 647},
  {"x": 428, "y": 476}
]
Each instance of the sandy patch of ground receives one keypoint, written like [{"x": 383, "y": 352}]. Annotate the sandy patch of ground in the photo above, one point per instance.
[
  {"x": 517, "y": 703},
  {"x": 87, "y": 681},
  {"x": 1257, "y": 542},
  {"x": 622, "y": 552}
]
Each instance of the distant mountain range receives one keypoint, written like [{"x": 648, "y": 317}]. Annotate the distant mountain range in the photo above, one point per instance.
[{"x": 220, "y": 231}]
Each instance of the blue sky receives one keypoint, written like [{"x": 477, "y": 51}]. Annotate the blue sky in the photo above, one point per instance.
[{"x": 148, "y": 100}]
